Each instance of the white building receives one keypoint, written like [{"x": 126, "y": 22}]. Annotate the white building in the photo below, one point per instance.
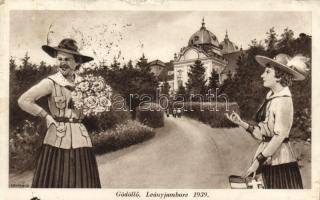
[{"x": 203, "y": 45}]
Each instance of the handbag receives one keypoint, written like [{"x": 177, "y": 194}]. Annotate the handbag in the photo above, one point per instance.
[{"x": 238, "y": 182}]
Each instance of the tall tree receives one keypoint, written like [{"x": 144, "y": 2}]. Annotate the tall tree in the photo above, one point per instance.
[
  {"x": 285, "y": 42},
  {"x": 196, "y": 79},
  {"x": 182, "y": 92},
  {"x": 271, "y": 41},
  {"x": 115, "y": 65},
  {"x": 166, "y": 88},
  {"x": 130, "y": 65},
  {"x": 25, "y": 62},
  {"x": 214, "y": 81},
  {"x": 143, "y": 65}
]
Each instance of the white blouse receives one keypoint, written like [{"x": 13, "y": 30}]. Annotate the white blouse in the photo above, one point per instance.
[
  {"x": 277, "y": 124},
  {"x": 74, "y": 135}
]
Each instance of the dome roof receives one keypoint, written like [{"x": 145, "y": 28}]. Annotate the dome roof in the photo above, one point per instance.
[
  {"x": 203, "y": 36},
  {"x": 227, "y": 45}
]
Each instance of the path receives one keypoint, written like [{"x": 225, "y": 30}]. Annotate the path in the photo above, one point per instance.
[{"x": 184, "y": 154}]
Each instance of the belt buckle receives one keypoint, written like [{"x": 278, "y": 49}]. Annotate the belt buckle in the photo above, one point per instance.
[{"x": 71, "y": 120}]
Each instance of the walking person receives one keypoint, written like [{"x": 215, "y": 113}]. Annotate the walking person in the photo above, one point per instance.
[
  {"x": 274, "y": 157},
  {"x": 167, "y": 112},
  {"x": 179, "y": 112},
  {"x": 174, "y": 112},
  {"x": 66, "y": 157}
]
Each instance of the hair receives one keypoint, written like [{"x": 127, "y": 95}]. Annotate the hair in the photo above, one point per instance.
[
  {"x": 78, "y": 61},
  {"x": 285, "y": 78}
]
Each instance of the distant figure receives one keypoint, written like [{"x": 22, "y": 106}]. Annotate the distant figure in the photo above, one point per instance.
[
  {"x": 167, "y": 112},
  {"x": 174, "y": 112},
  {"x": 179, "y": 112}
]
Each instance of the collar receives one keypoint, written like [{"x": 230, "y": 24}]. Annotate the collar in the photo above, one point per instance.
[
  {"x": 60, "y": 79},
  {"x": 285, "y": 92}
]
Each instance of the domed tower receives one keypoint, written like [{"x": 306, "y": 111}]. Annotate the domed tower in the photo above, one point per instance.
[
  {"x": 203, "y": 37},
  {"x": 227, "y": 45},
  {"x": 203, "y": 45}
]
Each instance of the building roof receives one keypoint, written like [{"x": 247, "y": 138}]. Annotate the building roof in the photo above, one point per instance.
[
  {"x": 227, "y": 45},
  {"x": 157, "y": 62},
  {"x": 203, "y": 36}
]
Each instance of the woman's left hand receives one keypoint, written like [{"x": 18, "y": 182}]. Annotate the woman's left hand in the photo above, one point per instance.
[{"x": 252, "y": 169}]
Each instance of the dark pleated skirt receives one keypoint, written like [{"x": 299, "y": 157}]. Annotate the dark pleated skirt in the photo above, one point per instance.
[
  {"x": 66, "y": 168},
  {"x": 283, "y": 176}
]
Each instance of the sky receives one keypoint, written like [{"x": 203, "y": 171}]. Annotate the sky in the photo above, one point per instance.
[{"x": 127, "y": 34}]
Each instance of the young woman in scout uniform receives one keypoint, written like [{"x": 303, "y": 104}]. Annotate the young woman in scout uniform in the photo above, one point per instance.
[
  {"x": 275, "y": 157},
  {"x": 66, "y": 159}
]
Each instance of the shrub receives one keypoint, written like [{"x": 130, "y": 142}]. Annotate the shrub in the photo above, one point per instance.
[
  {"x": 25, "y": 142},
  {"x": 106, "y": 120},
  {"x": 151, "y": 114},
  {"x": 215, "y": 118},
  {"x": 302, "y": 125},
  {"x": 123, "y": 135},
  {"x": 24, "y": 146}
]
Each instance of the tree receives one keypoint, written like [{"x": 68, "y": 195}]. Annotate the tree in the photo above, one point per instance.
[
  {"x": 271, "y": 41},
  {"x": 143, "y": 65},
  {"x": 115, "y": 65},
  {"x": 166, "y": 88},
  {"x": 132, "y": 83},
  {"x": 25, "y": 62},
  {"x": 12, "y": 63},
  {"x": 214, "y": 82},
  {"x": 246, "y": 87},
  {"x": 181, "y": 92},
  {"x": 130, "y": 65},
  {"x": 285, "y": 42},
  {"x": 196, "y": 79}
]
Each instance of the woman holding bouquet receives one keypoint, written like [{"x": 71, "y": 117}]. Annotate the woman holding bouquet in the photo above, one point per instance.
[
  {"x": 275, "y": 157},
  {"x": 66, "y": 159}
]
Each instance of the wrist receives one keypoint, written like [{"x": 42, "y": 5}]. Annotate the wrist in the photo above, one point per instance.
[
  {"x": 244, "y": 125},
  {"x": 43, "y": 114},
  {"x": 261, "y": 158}
]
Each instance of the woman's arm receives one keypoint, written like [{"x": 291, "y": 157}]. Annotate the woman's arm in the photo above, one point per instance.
[
  {"x": 256, "y": 131},
  {"x": 27, "y": 99}
]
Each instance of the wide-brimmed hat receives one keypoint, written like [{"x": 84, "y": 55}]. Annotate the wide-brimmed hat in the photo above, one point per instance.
[
  {"x": 295, "y": 66},
  {"x": 68, "y": 46}
]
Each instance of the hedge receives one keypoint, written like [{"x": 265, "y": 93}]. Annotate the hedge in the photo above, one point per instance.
[
  {"x": 123, "y": 135},
  {"x": 151, "y": 114},
  {"x": 211, "y": 113},
  {"x": 25, "y": 142}
]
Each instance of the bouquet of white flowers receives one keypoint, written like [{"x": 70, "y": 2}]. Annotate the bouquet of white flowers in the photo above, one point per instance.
[{"x": 91, "y": 94}]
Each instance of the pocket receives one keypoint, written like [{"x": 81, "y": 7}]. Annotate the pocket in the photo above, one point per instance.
[
  {"x": 60, "y": 102},
  {"x": 84, "y": 131},
  {"x": 61, "y": 130}
]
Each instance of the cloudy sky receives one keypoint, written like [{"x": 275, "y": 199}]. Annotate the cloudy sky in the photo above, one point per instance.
[{"x": 128, "y": 34}]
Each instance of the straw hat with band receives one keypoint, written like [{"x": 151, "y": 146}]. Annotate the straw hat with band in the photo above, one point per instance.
[
  {"x": 68, "y": 46},
  {"x": 282, "y": 62}
]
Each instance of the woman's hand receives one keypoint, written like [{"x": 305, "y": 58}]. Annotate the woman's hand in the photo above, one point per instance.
[
  {"x": 50, "y": 120},
  {"x": 235, "y": 118},
  {"x": 252, "y": 169}
]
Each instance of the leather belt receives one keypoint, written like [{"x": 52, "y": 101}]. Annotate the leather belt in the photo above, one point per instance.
[
  {"x": 268, "y": 139},
  {"x": 66, "y": 119}
]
